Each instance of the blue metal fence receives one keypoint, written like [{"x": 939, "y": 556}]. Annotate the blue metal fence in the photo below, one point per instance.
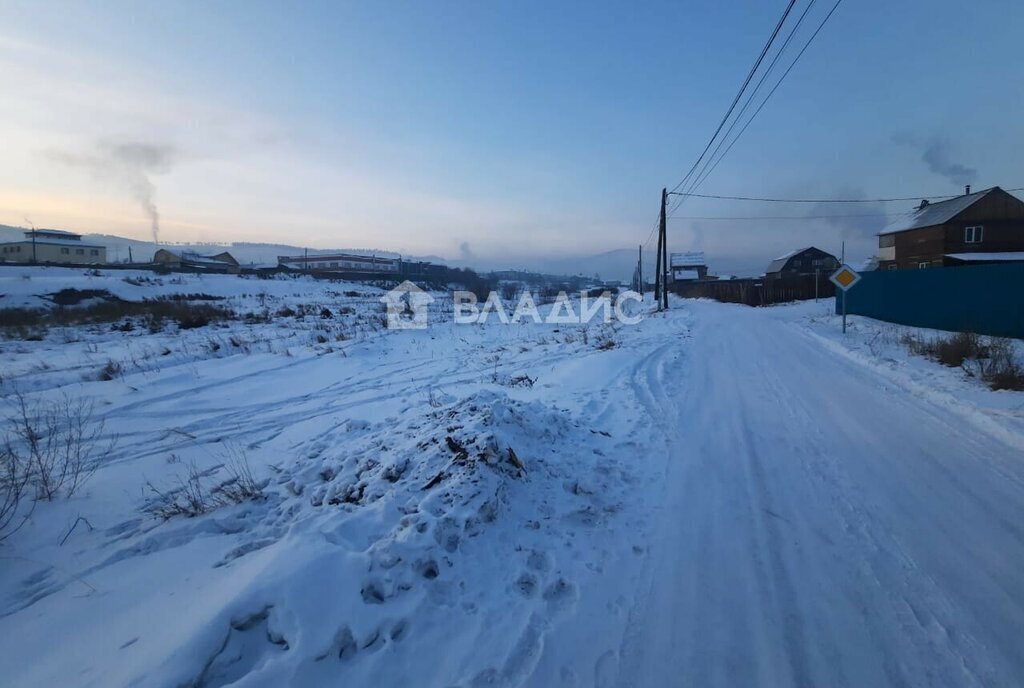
[{"x": 986, "y": 299}]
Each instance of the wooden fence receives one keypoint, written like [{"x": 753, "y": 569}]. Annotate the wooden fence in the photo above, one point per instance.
[{"x": 760, "y": 291}]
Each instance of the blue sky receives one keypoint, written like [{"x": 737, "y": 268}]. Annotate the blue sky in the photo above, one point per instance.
[{"x": 496, "y": 132}]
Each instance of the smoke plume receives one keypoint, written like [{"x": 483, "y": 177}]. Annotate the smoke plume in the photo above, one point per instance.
[
  {"x": 130, "y": 166},
  {"x": 937, "y": 154},
  {"x": 853, "y": 220},
  {"x": 937, "y": 157}
]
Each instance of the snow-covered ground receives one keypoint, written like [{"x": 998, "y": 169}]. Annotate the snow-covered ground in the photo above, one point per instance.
[{"x": 727, "y": 496}]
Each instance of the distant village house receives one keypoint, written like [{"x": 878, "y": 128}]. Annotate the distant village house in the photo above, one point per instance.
[
  {"x": 803, "y": 262},
  {"x": 52, "y": 246},
  {"x": 689, "y": 266}
]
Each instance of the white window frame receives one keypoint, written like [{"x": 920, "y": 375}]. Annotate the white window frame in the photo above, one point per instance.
[
  {"x": 974, "y": 234},
  {"x": 923, "y": 265}
]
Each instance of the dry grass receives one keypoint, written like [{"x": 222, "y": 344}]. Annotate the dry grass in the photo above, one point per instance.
[
  {"x": 24, "y": 323},
  {"x": 990, "y": 358}
]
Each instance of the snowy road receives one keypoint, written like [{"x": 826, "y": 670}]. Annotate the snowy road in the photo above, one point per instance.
[{"x": 820, "y": 526}]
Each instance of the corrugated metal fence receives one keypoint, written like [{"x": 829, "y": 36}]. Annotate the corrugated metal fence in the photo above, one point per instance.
[{"x": 986, "y": 299}]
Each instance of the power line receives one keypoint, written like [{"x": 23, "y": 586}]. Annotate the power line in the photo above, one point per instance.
[
  {"x": 770, "y": 93},
  {"x": 822, "y": 200},
  {"x": 780, "y": 217},
  {"x": 739, "y": 94},
  {"x": 702, "y": 174},
  {"x": 732, "y": 106}
]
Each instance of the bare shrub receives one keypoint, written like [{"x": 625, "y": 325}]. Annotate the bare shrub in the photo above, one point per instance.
[
  {"x": 952, "y": 351},
  {"x": 993, "y": 357},
  {"x": 192, "y": 496},
  {"x": 240, "y": 485},
  {"x": 110, "y": 371},
  {"x": 187, "y": 498},
  {"x": 56, "y": 443},
  {"x": 13, "y": 483},
  {"x": 962, "y": 346},
  {"x": 1000, "y": 369}
]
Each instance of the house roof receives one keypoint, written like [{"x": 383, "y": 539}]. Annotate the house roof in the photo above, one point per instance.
[
  {"x": 688, "y": 259},
  {"x": 1004, "y": 256},
  {"x": 193, "y": 258},
  {"x": 780, "y": 262},
  {"x": 47, "y": 241},
  {"x": 51, "y": 232},
  {"x": 937, "y": 213}
]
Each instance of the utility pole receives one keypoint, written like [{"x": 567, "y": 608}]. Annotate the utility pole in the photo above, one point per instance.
[
  {"x": 658, "y": 273},
  {"x": 664, "y": 250},
  {"x": 33, "y": 226},
  {"x": 640, "y": 270}
]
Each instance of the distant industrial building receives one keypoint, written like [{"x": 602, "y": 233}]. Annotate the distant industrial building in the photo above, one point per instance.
[
  {"x": 52, "y": 246},
  {"x": 187, "y": 260},
  {"x": 340, "y": 262}
]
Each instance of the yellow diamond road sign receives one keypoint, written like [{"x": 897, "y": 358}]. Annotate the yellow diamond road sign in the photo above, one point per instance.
[{"x": 845, "y": 277}]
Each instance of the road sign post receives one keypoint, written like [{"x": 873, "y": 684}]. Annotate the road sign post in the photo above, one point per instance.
[{"x": 844, "y": 278}]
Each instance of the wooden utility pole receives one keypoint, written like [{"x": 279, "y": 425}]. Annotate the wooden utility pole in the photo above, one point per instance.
[
  {"x": 640, "y": 270},
  {"x": 658, "y": 273},
  {"x": 663, "y": 247}
]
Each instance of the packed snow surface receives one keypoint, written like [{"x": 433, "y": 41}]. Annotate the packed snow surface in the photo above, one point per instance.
[{"x": 716, "y": 496}]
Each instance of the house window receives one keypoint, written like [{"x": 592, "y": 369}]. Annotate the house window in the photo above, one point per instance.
[
  {"x": 973, "y": 235},
  {"x": 79, "y": 251},
  {"x": 94, "y": 252},
  {"x": 922, "y": 266},
  {"x": 65, "y": 251}
]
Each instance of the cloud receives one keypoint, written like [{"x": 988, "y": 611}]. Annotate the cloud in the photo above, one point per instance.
[{"x": 129, "y": 165}]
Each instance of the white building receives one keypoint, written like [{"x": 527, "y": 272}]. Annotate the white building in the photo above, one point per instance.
[{"x": 52, "y": 246}]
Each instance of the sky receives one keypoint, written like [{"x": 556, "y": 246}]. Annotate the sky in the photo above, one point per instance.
[{"x": 497, "y": 133}]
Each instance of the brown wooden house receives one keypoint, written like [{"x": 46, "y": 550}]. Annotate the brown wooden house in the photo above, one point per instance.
[
  {"x": 808, "y": 261},
  {"x": 987, "y": 226}
]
